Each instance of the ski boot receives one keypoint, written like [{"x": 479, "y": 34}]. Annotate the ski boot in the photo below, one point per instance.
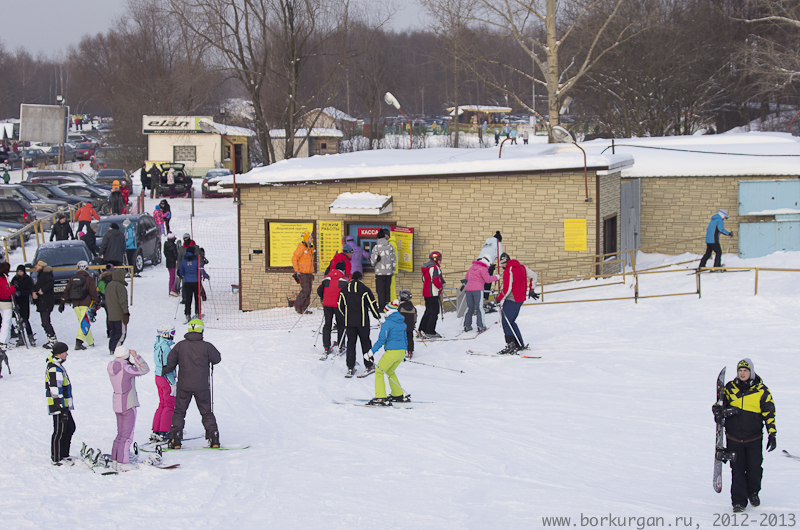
[
  {"x": 368, "y": 371},
  {"x": 51, "y": 341},
  {"x": 79, "y": 344},
  {"x": 481, "y": 329},
  {"x": 738, "y": 508},
  {"x": 325, "y": 353},
  {"x": 400, "y": 399},
  {"x": 175, "y": 440},
  {"x": 31, "y": 340},
  {"x": 510, "y": 349},
  {"x": 754, "y": 500},
  {"x": 468, "y": 328},
  {"x": 350, "y": 373},
  {"x": 380, "y": 402},
  {"x": 213, "y": 439}
]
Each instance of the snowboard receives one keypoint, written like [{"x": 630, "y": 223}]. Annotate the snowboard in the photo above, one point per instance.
[
  {"x": 88, "y": 318},
  {"x": 159, "y": 449},
  {"x": 720, "y": 454}
]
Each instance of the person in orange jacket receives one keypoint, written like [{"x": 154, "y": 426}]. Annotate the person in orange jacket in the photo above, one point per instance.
[
  {"x": 84, "y": 215},
  {"x": 303, "y": 264}
]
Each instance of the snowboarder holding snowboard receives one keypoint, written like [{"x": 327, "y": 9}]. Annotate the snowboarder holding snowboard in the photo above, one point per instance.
[
  {"x": 356, "y": 302},
  {"x": 194, "y": 359},
  {"x": 715, "y": 227},
  {"x": 58, "y": 390},
  {"x": 80, "y": 291},
  {"x": 126, "y": 366},
  {"x": 394, "y": 340},
  {"x": 162, "y": 420},
  {"x": 755, "y": 409}
]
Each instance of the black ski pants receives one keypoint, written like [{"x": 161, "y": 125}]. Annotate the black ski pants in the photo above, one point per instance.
[
  {"x": 746, "y": 470},
  {"x": 115, "y": 329},
  {"x": 87, "y": 225},
  {"x": 190, "y": 290},
  {"x": 330, "y": 314},
  {"x": 63, "y": 429},
  {"x": 410, "y": 324},
  {"x": 383, "y": 289},
  {"x": 431, "y": 315},
  {"x": 46, "y": 325},
  {"x": 24, "y": 309},
  {"x": 354, "y": 333},
  {"x": 202, "y": 398},
  {"x": 717, "y": 249}
]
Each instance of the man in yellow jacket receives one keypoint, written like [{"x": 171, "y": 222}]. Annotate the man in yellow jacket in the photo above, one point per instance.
[{"x": 303, "y": 264}]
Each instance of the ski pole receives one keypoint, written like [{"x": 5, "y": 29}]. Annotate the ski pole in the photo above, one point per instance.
[
  {"x": 303, "y": 313},
  {"x": 434, "y": 366},
  {"x": 211, "y": 381},
  {"x": 502, "y": 312},
  {"x": 420, "y": 337},
  {"x": 318, "y": 330}
]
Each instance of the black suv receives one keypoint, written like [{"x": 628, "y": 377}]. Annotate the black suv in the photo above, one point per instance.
[
  {"x": 64, "y": 254},
  {"x": 182, "y": 181},
  {"x": 16, "y": 210},
  {"x": 148, "y": 237}
]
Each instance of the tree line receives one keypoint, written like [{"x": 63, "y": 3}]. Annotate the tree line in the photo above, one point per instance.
[{"x": 626, "y": 67}]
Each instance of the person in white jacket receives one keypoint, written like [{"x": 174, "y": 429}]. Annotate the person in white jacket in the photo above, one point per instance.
[
  {"x": 126, "y": 366},
  {"x": 384, "y": 260}
]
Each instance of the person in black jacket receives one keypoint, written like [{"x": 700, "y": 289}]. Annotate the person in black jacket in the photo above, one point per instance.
[
  {"x": 90, "y": 238},
  {"x": 22, "y": 298},
  {"x": 112, "y": 247},
  {"x": 171, "y": 259},
  {"x": 356, "y": 301},
  {"x": 165, "y": 209},
  {"x": 44, "y": 299},
  {"x": 61, "y": 230},
  {"x": 754, "y": 408}
]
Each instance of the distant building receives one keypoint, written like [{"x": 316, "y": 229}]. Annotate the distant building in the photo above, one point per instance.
[{"x": 318, "y": 141}]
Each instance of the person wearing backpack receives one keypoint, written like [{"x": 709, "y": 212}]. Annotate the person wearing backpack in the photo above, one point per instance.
[{"x": 81, "y": 291}]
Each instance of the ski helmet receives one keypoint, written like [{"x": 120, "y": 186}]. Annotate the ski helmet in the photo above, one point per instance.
[
  {"x": 167, "y": 331},
  {"x": 82, "y": 265},
  {"x": 435, "y": 256},
  {"x": 722, "y": 213},
  {"x": 196, "y": 325},
  {"x": 405, "y": 295}
]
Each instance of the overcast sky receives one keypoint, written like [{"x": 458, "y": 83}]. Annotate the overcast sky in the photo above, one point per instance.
[{"x": 50, "y": 26}]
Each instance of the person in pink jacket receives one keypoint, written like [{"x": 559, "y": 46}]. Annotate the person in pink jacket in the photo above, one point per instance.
[
  {"x": 158, "y": 217},
  {"x": 477, "y": 276},
  {"x": 126, "y": 366}
]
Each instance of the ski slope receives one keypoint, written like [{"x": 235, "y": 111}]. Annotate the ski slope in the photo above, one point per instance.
[{"x": 614, "y": 420}]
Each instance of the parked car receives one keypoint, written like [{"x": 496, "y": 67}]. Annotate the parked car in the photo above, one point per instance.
[
  {"x": 40, "y": 203},
  {"x": 16, "y": 210},
  {"x": 84, "y": 150},
  {"x": 73, "y": 176},
  {"x": 35, "y": 156},
  {"x": 87, "y": 193},
  {"x": 10, "y": 160},
  {"x": 108, "y": 176},
  {"x": 148, "y": 237},
  {"x": 211, "y": 188},
  {"x": 64, "y": 254},
  {"x": 182, "y": 181},
  {"x": 67, "y": 150},
  {"x": 7, "y": 229},
  {"x": 124, "y": 157},
  {"x": 54, "y": 192}
]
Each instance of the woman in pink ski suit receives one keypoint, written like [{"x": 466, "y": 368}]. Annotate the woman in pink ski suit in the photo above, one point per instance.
[{"x": 127, "y": 365}]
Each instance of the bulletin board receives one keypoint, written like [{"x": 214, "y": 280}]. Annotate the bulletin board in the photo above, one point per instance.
[
  {"x": 283, "y": 236},
  {"x": 329, "y": 241},
  {"x": 405, "y": 247}
]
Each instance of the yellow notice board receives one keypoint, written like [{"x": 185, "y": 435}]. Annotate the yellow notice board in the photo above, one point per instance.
[
  {"x": 329, "y": 241},
  {"x": 283, "y": 240},
  {"x": 405, "y": 247},
  {"x": 574, "y": 234}
]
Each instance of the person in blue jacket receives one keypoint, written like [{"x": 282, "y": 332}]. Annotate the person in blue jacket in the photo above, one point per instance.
[
  {"x": 162, "y": 420},
  {"x": 190, "y": 272},
  {"x": 715, "y": 227},
  {"x": 130, "y": 244},
  {"x": 394, "y": 339}
]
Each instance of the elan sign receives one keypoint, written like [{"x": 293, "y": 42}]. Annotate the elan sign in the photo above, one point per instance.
[{"x": 172, "y": 124}]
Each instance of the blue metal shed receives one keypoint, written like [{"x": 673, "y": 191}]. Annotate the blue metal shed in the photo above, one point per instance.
[{"x": 779, "y": 198}]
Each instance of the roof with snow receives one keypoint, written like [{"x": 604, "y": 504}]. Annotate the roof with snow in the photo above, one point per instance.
[
  {"x": 479, "y": 108},
  {"x": 316, "y": 132},
  {"x": 337, "y": 114},
  {"x": 716, "y": 155},
  {"x": 401, "y": 163},
  {"x": 226, "y": 130},
  {"x": 363, "y": 203}
]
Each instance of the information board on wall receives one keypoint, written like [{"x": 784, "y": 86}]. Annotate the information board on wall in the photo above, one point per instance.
[
  {"x": 283, "y": 240},
  {"x": 405, "y": 247},
  {"x": 574, "y": 234},
  {"x": 329, "y": 241}
]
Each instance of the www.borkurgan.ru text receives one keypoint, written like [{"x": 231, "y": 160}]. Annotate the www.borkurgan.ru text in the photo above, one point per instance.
[{"x": 640, "y": 523}]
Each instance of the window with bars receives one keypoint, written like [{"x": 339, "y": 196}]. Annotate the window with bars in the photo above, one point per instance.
[{"x": 184, "y": 153}]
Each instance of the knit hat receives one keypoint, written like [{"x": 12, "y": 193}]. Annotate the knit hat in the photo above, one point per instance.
[
  {"x": 41, "y": 263},
  {"x": 498, "y": 236},
  {"x": 723, "y": 213},
  {"x": 126, "y": 223},
  {"x": 81, "y": 234},
  {"x": 196, "y": 325},
  {"x": 171, "y": 236},
  {"x": 115, "y": 226},
  {"x": 82, "y": 265},
  {"x": 21, "y": 267},
  {"x": 391, "y": 307},
  {"x": 357, "y": 276},
  {"x": 347, "y": 248},
  {"x": 93, "y": 225},
  {"x": 59, "y": 347},
  {"x": 747, "y": 363},
  {"x": 122, "y": 352},
  {"x": 187, "y": 236}
]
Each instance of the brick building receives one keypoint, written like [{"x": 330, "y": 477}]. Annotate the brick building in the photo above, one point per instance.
[{"x": 453, "y": 199}]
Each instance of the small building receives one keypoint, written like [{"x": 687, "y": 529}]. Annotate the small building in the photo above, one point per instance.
[
  {"x": 449, "y": 200},
  {"x": 330, "y": 118},
  {"x": 198, "y": 142},
  {"x": 319, "y": 141}
]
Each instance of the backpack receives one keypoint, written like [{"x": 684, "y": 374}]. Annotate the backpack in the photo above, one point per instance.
[{"x": 78, "y": 289}]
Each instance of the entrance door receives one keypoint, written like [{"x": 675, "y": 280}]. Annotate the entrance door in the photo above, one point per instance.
[
  {"x": 630, "y": 204},
  {"x": 237, "y": 157}
]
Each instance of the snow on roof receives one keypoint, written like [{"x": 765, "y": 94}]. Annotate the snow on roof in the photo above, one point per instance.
[
  {"x": 729, "y": 154},
  {"x": 337, "y": 114},
  {"x": 227, "y": 130},
  {"x": 436, "y": 161},
  {"x": 316, "y": 132},
  {"x": 479, "y": 108},
  {"x": 361, "y": 203}
]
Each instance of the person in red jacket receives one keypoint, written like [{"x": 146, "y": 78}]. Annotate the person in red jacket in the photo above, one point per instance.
[
  {"x": 432, "y": 284},
  {"x": 6, "y": 307},
  {"x": 125, "y": 191},
  {"x": 518, "y": 281},
  {"x": 328, "y": 291},
  {"x": 345, "y": 256},
  {"x": 84, "y": 215}
]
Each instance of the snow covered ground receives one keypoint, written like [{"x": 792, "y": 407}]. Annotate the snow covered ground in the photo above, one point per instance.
[{"x": 614, "y": 419}]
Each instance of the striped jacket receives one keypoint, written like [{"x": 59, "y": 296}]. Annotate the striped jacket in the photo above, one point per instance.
[
  {"x": 57, "y": 387},
  {"x": 756, "y": 409},
  {"x": 355, "y": 302}
]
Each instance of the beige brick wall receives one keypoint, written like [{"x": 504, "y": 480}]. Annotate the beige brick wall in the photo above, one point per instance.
[
  {"x": 609, "y": 205},
  {"x": 453, "y": 215},
  {"x": 678, "y": 208}
]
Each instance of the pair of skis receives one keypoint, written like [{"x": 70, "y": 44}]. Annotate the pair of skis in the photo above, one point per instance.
[{"x": 487, "y": 354}]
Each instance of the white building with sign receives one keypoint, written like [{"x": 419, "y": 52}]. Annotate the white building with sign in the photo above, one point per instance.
[{"x": 196, "y": 141}]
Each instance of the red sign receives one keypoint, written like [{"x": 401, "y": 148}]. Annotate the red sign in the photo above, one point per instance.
[
  {"x": 368, "y": 232},
  {"x": 402, "y": 229}
]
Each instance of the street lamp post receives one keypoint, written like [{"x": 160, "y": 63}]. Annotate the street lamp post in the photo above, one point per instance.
[
  {"x": 391, "y": 100},
  {"x": 562, "y": 136}
]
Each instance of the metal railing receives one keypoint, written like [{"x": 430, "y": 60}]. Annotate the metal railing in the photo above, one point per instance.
[{"x": 37, "y": 227}]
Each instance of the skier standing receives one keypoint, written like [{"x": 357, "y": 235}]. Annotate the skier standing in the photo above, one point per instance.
[
  {"x": 126, "y": 366},
  {"x": 171, "y": 259},
  {"x": 303, "y": 264},
  {"x": 22, "y": 297},
  {"x": 58, "y": 390},
  {"x": 394, "y": 339},
  {"x": 44, "y": 298},
  {"x": 328, "y": 291},
  {"x": 162, "y": 420},
  {"x": 384, "y": 260},
  {"x": 409, "y": 313},
  {"x": 80, "y": 291},
  {"x": 194, "y": 359},
  {"x": 356, "y": 301},
  {"x": 358, "y": 257},
  {"x": 342, "y": 257},
  {"x": 477, "y": 277},
  {"x": 715, "y": 227},
  {"x": 754, "y": 407},
  {"x": 516, "y": 280},
  {"x": 7, "y": 291},
  {"x": 432, "y": 284},
  {"x": 116, "y": 295}
]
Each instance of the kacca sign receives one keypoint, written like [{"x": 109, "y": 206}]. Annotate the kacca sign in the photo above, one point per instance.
[{"x": 172, "y": 124}]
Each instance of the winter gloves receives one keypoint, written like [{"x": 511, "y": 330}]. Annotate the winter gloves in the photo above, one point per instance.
[
  {"x": 126, "y": 319},
  {"x": 368, "y": 357},
  {"x": 771, "y": 443},
  {"x": 377, "y": 258},
  {"x": 731, "y": 234},
  {"x": 296, "y": 277},
  {"x": 61, "y": 307},
  {"x": 532, "y": 294}
]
